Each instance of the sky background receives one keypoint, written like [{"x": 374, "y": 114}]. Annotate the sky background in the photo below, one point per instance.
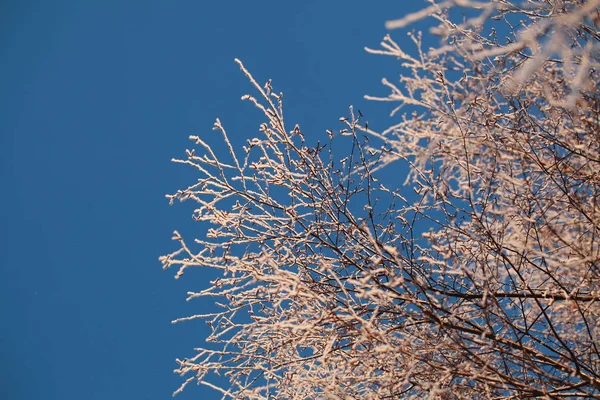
[{"x": 96, "y": 97}]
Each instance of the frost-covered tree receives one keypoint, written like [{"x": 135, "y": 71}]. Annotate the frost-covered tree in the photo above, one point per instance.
[{"x": 478, "y": 278}]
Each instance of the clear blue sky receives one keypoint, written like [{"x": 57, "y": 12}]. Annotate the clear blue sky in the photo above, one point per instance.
[{"x": 96, "y": 98}]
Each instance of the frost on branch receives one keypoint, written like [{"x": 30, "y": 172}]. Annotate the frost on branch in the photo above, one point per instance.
[
  {"x": 309, "y": 260},
  {"x": 504, "y": 146},
  {"x": 483, "y": 283}
]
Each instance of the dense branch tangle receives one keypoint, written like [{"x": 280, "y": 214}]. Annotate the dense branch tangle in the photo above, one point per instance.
[{"x": 483, "y": 283}]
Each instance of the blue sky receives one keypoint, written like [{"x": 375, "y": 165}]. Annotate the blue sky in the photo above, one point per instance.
[{"x": 96, "y": 98}]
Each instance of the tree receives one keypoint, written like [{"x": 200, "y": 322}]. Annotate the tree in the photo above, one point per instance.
[{"x": 483, "y": 283}]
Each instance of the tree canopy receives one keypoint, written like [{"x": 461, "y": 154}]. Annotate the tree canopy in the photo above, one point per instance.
[{"x": 477, "y": 279}]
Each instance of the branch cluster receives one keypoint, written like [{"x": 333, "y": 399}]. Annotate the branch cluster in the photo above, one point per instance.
[{"x": 481, "y": 283}]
